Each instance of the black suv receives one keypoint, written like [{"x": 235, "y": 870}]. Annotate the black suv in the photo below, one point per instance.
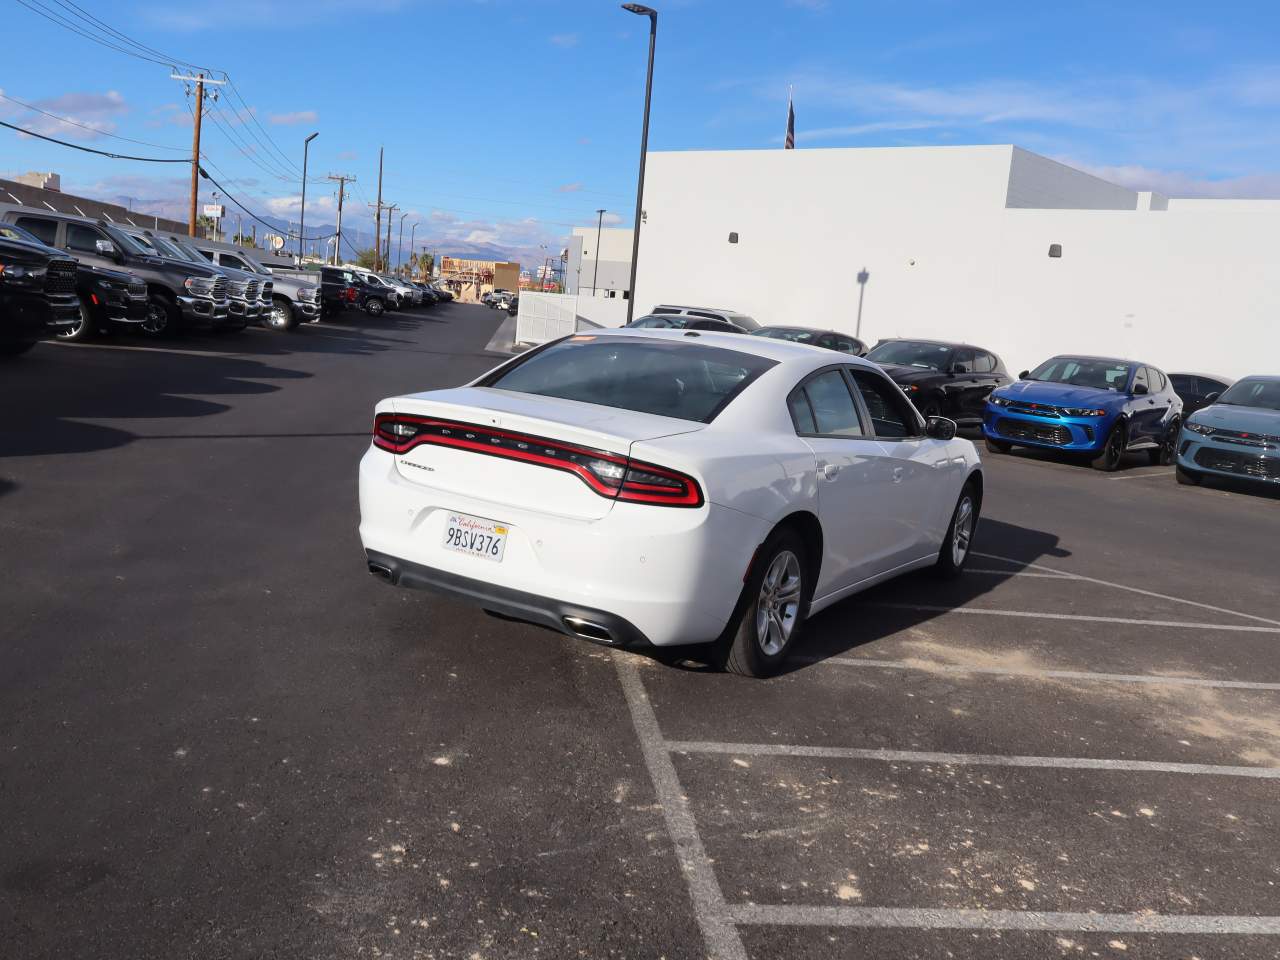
[
  {"x": 37, "y": 294},
  {"x": 341, "y": 282},
  {"x": 109, "y": 299},
  {"x": 942, "y": 379},
  {"x": 179, "y": 294}
]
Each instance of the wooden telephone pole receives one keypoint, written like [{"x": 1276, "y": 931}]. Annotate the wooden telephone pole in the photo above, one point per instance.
[
  {"x": 377, "y": 223},
  {"x": 199, "y": 80},
  {"x": 342, "y": 180}
]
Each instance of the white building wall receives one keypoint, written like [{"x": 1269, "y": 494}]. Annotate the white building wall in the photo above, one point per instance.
[{"x": 1192, "y": 287}]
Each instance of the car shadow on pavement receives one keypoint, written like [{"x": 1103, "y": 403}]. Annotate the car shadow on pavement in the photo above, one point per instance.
[
  {"x": 900, "y": 603},
  {"x": 45, "y": 399}
]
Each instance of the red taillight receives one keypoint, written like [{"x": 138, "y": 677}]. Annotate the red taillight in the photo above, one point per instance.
[
  {"x": 609, "y": 474},
  {"x": 351, "y": 294}
]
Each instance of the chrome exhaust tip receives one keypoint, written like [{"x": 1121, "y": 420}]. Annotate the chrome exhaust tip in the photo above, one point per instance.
[
  {"x": 589, "y": 631},
  {"x": 381, "y": 571}
]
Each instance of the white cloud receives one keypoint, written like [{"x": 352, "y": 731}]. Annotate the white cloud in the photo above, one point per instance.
[
  {"x": 290, "y": 119},
  {"x": 1179, "y": 183},
  {"x": 569, "y": 188},
  {"x": 86, "y": 116}
]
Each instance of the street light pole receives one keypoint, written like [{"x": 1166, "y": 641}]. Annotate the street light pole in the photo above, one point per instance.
[
  {"x": 302, "y": 212},
  {"x": 652, "y": 14},
  {"x": 599, "y": 226},
  {"x": 413, "y": 229}
]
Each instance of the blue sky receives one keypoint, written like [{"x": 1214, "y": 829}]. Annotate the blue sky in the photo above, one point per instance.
[{"x": 505, "y": 123}]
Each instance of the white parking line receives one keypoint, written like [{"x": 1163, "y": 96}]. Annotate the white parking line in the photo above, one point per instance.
[
  {"x": 1019, "y": 573},
  {"x": 968, "y": 759},
  {"x": 722, "y": 940},
  {"x": 1085, "y": 618},
  {"x": 1143, "y": 476},
  {"x": 942, "y": 919},
  {"x": 930, "y": 667},
  {"x": 1122, "y": 586}
]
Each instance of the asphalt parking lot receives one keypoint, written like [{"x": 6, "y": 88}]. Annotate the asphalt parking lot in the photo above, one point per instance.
[{"x": 222, "y": 738}]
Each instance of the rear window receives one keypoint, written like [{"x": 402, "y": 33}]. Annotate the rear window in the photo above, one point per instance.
[{"x": 684, "y": 380}]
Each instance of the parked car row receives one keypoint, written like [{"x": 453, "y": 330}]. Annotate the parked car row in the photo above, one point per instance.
[
  {"x": 74, "y": 277},
  {"x": 1099, "y": 408},
  {"x": 127, "y": 277}
]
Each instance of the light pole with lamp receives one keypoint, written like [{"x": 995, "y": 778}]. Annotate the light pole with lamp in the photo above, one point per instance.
[
  {"x": 413, "y": 229},
  {"x": 641, "y": 10},
  {"x": 302, "y": 212}
]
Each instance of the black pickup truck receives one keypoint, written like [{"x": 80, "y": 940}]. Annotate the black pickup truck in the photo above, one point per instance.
[
  {"x": 37, "y": 294},
  {"x": 109, "y": 299}
]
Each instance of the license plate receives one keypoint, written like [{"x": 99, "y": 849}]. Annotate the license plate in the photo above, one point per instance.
[{"x": 475, "y": 536}]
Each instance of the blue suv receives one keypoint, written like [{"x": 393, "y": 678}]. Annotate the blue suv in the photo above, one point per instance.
[
  {"x": 1237, "y": 435},
  {"x": 1097, "y": 406}
]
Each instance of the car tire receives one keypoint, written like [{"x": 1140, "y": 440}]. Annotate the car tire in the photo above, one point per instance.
[
  {"x": 1187, "y": 477},
  {"x": 82, "y": 331},
  {"x": 998, "y": 446},
  {"x": 958, "y": 543},
  {"x": 280, "y": 317},
  {"x": 16, "y": 348},
  {"x": 1113, "y": 448},
  {"x": 770, "y": 613},
  {"x": 164, "y": 318},
  {"x": 1164, "y": 454},
  {"x": 374, "y": 307}
]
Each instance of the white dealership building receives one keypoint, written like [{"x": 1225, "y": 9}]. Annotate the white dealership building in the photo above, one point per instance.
[{"x": 989, "y": 244}]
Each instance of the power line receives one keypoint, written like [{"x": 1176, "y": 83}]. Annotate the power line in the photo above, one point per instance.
[
  {"x": 78, "y": 11},
  {"x": 289, "y": 234},
  {"x": 66, "y": 24},
  {"x": 254, "y": 117},
  {"x": 101, "y": 153},
  {"x": 85, "y": 126}
]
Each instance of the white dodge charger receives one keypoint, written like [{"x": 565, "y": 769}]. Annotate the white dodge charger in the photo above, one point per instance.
[{"x": 644, "y": 488}]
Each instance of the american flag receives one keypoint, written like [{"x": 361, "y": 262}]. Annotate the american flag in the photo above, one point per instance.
[{"x": 790, "y": 142}]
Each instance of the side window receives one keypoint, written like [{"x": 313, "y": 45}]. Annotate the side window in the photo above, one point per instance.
[
  {"x": 46, "y": 230},
  {"x": 80, "y": 237},
  {"x": 847, "y": 345},
  {"x": 1140, "y": 379},
  {"x": 827, "y": 341},
  {"x": 983, "y": 363},
  {"x": 890, "y": 416},
  {"x": 1156, "y": 379},
  {"x": 228, "y": 260},
  {"x": 834, "y": 411},
  {"x": 962, "y": 361},
  {"x": 1210, "y": 386},
  {"x": 801, "y": 412}
]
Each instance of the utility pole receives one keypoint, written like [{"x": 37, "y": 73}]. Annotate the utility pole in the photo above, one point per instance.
[
  {"x": 342, "y": 180},
  {"x": 400, "y": 242},
  {"x": 199, "y": 80},
  {"x": 391, "y": 209},
  {"x": 377, "y": 223},
  {"x": 599, "y": 227}
]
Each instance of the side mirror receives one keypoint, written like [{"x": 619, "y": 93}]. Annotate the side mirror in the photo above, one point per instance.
[
  {"x": 1140, "y": 390},
  {"x": 1212, "y": 397},
  {"x": 940, "y": 428},
  {"x": 1024, "y": 374},
  {"x": 104, "y": 247}
]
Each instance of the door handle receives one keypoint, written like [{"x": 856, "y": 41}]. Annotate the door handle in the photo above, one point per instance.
[
  {"x": 829, "y": 470},
  {"x": 897, "y": 474}
]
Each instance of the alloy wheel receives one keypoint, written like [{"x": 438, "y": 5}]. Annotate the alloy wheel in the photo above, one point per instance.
[
  {"x": 157, "y": 318},
  {"x": 962, "y": 534},
  {"x": 778, "y": 606}
]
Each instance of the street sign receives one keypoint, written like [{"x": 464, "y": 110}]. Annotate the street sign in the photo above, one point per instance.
[
  {"x": 276, "y": 241},
  {"x": 215, "y": 210}
]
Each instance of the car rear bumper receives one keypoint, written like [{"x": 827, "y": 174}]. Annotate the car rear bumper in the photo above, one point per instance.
[
  {"x": 575, "y": 620},
  {"x": 671, "y": 576},
  {"x": 1073, "y": 434},
  {"x": 1205, "y": 455}
]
